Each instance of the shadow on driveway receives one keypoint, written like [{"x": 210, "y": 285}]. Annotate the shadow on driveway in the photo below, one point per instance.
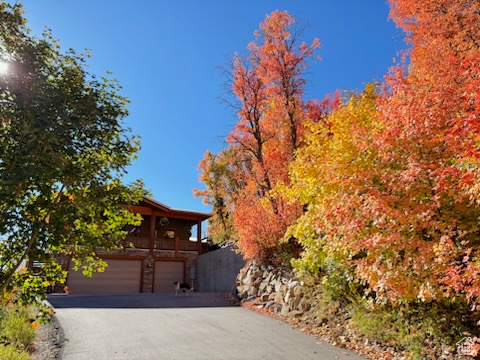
[{"x": 134, "y": 301}]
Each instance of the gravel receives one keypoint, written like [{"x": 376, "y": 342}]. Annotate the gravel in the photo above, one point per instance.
[{"x": 49, "y": 341}]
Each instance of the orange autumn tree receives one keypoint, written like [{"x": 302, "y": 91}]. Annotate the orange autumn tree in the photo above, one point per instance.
[
  {"x": 268, "y": 85},
  {"x": 402, "y": 215},
  {"x": 431, "y": 115}
]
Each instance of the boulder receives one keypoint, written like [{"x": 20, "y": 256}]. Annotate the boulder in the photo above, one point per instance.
[
  {"x": 294, "y": 302},
  {"x": 285, "y": 310},
  {"x": 292, "y": 284},
  {"x": 277, "y": 308},
  {"x": 294, "y": 313},
  {"x": 257, "y": 274},
  {"x": 277, "y": 285},
  {"x": 247, "y": 280},
  {"x": 278, "y": 299},
  {"x": 269, "y": 303},
  {"x": 264, "y": 297},
  {"x": 287, "y": 296},
  {"x": 297, "y": 291},
  {"x": 304, "y": 305}
]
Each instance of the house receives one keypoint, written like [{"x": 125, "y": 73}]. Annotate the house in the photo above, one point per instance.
[{"x": 154, "y": 255}]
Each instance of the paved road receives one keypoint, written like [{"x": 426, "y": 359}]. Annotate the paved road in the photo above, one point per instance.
[{"x": 201, "y": 326}]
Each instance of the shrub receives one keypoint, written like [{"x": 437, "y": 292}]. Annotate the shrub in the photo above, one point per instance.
[
  {"x": 9, "y": 352},
  {"x": 16, "y": 327}
]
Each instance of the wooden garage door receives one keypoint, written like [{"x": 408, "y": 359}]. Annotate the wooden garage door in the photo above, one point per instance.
[
  {"x": 120, "y": 277},
  {"x": 166, "y": 272}
]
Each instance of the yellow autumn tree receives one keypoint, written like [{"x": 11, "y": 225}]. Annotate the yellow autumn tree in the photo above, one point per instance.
[{"x": 331, "y": 169}]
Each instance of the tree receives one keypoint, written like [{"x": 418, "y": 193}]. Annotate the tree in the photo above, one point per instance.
[
  {"x": 217, "y": 170},
  {"x": 403, "y": 210},
  {"x": 63, "y": 150},
  {"x": 268, "y": 85},
  {"x": 329, "y": 177}
]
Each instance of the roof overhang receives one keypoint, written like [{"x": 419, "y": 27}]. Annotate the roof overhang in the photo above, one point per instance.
[{"x": 149, "y": 206}]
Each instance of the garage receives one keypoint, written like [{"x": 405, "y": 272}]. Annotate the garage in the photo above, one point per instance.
[
  {"x": 166, "y": 272},
  {"x": 120, "y": 277}
]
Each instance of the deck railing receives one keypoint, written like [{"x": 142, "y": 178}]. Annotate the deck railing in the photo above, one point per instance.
[{"x": 160, "y": 244}]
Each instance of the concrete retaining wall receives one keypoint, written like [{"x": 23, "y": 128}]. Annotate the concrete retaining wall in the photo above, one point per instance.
[{"x": 218, "y": 269}]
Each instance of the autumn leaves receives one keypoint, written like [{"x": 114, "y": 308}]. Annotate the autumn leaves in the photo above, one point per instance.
[{"x": 379, "y": 188}]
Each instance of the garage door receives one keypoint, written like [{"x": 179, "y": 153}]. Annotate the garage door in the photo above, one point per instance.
[
  {"x": 166, "y": 272},
  {"x": 120, "y": 277}
]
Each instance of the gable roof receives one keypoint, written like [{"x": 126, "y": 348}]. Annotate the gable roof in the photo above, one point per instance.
[{"x": 168, "y": 211}]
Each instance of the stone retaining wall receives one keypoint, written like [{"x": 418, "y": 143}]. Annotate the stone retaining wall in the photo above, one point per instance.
[{"x": 273, "y": 288}]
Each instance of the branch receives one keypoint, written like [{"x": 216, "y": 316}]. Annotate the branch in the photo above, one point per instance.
[{"x": 14, "y": 270}]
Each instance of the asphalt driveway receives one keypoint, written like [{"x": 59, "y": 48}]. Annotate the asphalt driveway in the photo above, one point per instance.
[{"x": 161, "y": 326}]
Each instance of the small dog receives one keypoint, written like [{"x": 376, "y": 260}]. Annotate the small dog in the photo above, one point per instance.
[{"x": 182, "y": 287}]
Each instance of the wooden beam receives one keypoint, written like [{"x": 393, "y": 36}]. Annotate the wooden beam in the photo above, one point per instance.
[
  {"x": 176, "y": 216},
  {"x": 177, "y": 245},
  {"x": 153, "y": 221},
  {"x": 139, "y": 209},
  {"x": 199, "y": 237}
]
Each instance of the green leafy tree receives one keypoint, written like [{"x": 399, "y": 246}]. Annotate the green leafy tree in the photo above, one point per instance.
[{"x": 63, "y": 151}]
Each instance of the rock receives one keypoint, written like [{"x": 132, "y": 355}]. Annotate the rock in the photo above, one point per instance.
[
  {"x": 252, "y": 291},
  {"x": 295, "y": 301},
  {"x": 285, "y": 310},
  {"x": 272, "y": 296},
  {"x": 297, "y": 291},
  {"x": 257, "y": 274},
  {"x": 277, "y": 308},
  {"x": 263, "y": 285},
  {"x": 284, "y": 289},
  {"x": 287, "y": 296},
  {"x": 292, "y": 284},
  {"x": 277, "y": 285},
  {"x": 264, "y": 297},
  {"x": 304, "y": 305},
  {"x": 279, "y": 299},
  {"x": 247, "y": 280},
  {"x": 294, "y": 313}
]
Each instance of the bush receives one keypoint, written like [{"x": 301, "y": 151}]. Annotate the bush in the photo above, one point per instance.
[
  {"x": 424, "y": 330},
  {"x": 9, "y": 352},
  {"x": 16, "y": 327}
]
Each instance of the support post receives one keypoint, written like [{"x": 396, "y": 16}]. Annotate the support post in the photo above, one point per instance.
[
  {"x": 177, "y": 245},
  {"x": 199, "y": 236},
  {"x": 153, "y": 221}
]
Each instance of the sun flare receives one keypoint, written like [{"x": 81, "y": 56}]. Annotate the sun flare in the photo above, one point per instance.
[{"x": 3, "y": 67}]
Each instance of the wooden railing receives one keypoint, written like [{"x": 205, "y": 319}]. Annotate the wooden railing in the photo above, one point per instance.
[
  {"x": 160, "y": 244},
  {"x": 137, "y": 242},
  {"x": 164, "y": 244}
]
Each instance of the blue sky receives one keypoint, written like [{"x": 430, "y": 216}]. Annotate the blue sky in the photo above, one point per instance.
[{"x": 166, "y": 56}]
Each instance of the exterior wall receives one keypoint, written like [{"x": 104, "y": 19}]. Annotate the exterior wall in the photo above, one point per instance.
[
  {"x": 218, "y": 269},
  {"x": 188, "y": 257}
]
